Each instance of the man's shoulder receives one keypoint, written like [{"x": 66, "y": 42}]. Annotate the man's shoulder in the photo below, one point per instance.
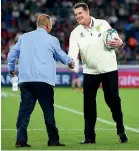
[
  {"x": 26, "y": 34},
  {"x": 47, "y": 36},
  {"x": 100, "y": 21},
  {"x": 53, "y": 38},
  {"x": 77, "y": 29},
  {"x": 102, "y": 24}
]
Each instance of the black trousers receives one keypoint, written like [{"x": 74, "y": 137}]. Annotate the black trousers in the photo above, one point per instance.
[
  {"x": 91, "y": 84},
  {"x": 30, "y": 93}
]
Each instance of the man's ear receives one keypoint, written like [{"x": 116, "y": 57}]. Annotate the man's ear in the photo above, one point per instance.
[{"x": 47, "y": 27}]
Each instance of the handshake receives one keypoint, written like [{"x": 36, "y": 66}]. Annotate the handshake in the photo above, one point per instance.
[{"x": 71, "y": 64}]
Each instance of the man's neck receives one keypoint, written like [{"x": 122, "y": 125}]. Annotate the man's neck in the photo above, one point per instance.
[
  {"x": 43, "y": 27},
  {"x": 87, "y": 25}
]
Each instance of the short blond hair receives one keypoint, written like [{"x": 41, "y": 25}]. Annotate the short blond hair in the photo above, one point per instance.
[{"x": 43, "y": 20}]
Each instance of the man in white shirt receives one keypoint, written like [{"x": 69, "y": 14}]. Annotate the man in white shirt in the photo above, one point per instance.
[{"x": 99, "y": 65}]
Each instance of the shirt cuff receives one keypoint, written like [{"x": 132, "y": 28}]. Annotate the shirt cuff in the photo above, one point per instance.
[{"x": 70, "y": 61}]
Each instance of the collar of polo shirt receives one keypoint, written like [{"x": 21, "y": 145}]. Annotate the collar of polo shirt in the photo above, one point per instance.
[{"x": 92, "y": 23}]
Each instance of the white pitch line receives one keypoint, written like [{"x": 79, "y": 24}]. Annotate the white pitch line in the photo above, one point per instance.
[
  {"x": 99, "y": 119},
  {"x": 13, "y": 95},
  {"x": 80, "y": 113},
  {"x": 73, "y": 129}
]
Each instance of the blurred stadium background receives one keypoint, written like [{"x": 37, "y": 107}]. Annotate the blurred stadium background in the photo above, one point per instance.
[{"x": 18, "y": 17}]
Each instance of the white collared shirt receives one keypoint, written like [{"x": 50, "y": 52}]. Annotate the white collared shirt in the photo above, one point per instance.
[
  {"x": 95, "y": 57},
  {"x": 90, "y": 27}
]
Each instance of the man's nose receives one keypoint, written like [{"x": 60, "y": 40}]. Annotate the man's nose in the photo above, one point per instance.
[{"x": 78, "y": 15}]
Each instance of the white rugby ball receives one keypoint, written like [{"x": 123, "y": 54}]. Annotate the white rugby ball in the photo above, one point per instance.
[{"x": 108, "y": 35}]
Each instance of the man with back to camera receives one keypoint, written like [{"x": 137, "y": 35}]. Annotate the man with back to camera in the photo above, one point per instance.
[
  {"x": 37, "y": 52},
  {"x": 99, "y": 65}
]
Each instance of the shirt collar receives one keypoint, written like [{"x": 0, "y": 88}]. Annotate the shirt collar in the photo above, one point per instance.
[
  {"x": 41, "y": 29},
  {"x": 92, "y": 23}
]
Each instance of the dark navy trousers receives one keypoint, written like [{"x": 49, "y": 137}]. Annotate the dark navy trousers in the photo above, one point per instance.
[
  {"x": 91, "y": 84},
  {"x": 30, "y": 93}
]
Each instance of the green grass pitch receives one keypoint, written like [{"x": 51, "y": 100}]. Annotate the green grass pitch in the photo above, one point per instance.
[{"x": 69, "y": 120}]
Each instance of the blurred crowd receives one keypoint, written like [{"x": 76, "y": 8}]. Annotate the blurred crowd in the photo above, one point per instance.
[{"x": 19, "y": 16}]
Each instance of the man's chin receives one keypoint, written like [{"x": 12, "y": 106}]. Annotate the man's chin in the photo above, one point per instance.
[{"x": 81, "y": 22}]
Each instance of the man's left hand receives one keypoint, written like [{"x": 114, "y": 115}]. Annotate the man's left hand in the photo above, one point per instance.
[
  {"x": 12, "y": 73},
  {"x": 115, "y": 43}
]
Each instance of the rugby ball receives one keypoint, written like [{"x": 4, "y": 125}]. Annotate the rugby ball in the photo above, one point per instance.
[{"x": 108, "y": 35}]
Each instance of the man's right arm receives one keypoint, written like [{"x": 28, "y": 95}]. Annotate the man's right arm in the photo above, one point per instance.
[
  {"x": 61, "y": 56},
  {"x": 73, "y": 48}
]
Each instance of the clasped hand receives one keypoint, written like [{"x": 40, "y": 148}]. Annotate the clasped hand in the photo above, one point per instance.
[
  {"x": 72, "y": 65},
  {"x": 115, "y": 43}
]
